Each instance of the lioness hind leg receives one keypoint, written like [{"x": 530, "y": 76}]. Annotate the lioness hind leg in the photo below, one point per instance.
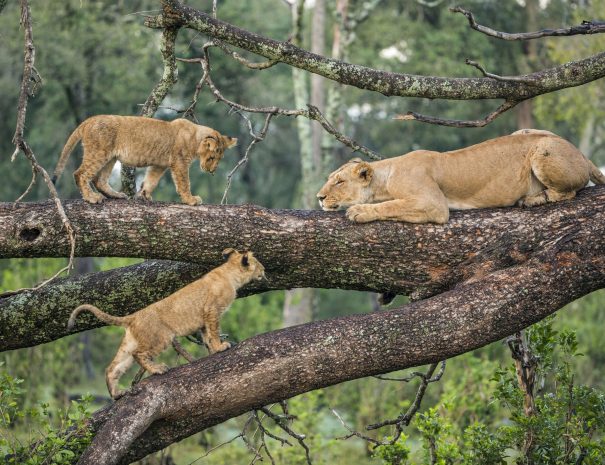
[
  {"x": 102, "y": 182},
  {"x": 560, "y": 167},
  {"x": 548, "y": 195}
]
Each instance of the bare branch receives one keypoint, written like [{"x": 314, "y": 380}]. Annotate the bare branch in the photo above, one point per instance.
[
  {"x": 31, "y": 79},
  {"x": 497, "y": 77},
  {"x": 587, "y": 27},
  {"x": 479, "y": 123}
]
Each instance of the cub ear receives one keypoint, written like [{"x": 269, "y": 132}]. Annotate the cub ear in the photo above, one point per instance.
[
  {"x": 245, "y": 260},
  {"x": 229, "y": 141},
  {"x": 364, "y": 172},
  {"x": 227, "y": 253},
  {"x": 355, "y": 160}
]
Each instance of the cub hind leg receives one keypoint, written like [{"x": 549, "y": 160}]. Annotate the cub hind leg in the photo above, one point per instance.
[
  {"x": 560, "y": 167},
  {"x": 120, "y": 364},
  {"x": 102, "y": 182},
  {"x": 84, "y": 175}
]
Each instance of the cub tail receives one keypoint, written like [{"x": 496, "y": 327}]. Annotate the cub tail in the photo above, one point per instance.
[
  {"x": 101, "y": 315},
  {"x": 595, "y": 173},
  {"x": 74, "y": 138}
]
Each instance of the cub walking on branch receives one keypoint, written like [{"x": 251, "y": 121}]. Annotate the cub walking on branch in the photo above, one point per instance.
[
  {"x": 137, "y": 141},
  {"x": 529, "y": 167},
  {"x": 198, "y": 305}
]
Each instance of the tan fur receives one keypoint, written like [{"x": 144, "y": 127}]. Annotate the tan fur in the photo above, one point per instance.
[
  {"x": 198, "y": 305},
  {"x": 137, "y": 141},
  {"x": 529, "y": 167}
]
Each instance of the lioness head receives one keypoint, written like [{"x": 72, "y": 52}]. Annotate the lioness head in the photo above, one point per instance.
[
  {"x": 246, "y": 262},
  {"x": 211, "y": 150},
  {"x": 348, "y": 185}
]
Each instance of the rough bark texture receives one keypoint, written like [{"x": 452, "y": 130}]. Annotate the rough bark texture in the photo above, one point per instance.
[
  {"x": 281, "y": 364},
  {"x": 298, "y": 248},
  {"x": 391, "y": 84}
]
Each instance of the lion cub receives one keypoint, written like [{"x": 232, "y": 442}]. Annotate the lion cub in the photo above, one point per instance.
[
  {"x": 529, "y": 167},
  {"x": 198, "y": 305},
  {"x": 137, "y": 141}
]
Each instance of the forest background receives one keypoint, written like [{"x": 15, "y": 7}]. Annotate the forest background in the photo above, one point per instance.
[{"x": 95, "y": 57}]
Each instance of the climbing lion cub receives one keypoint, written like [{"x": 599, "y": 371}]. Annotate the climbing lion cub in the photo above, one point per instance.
[
  {"x": 529, "y": 167},
  {"x": 137, "y": 141},
  {"x": 198, "y": 305}
]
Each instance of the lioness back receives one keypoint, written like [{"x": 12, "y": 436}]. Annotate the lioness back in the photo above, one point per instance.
[{"x": 529, "y": 167}]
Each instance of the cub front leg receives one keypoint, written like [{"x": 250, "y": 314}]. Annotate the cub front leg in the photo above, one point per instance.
[{"x": 180, "y": 175}]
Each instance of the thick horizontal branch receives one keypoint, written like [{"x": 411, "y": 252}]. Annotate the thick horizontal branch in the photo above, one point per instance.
[
  {"x": 391, "y": 84},
  {"x": 298, "y": 248},
  {"x": 278, "y": 365}
]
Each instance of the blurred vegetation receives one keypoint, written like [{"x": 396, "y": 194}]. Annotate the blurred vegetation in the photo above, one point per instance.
[{"x": 96, "y": 57}]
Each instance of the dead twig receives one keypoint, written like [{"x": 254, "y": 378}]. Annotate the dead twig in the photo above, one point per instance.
[
  {"x": 411, "y": 115},
  {"x": 29, "y": 83},
  {"x": 587, "y": 27}
]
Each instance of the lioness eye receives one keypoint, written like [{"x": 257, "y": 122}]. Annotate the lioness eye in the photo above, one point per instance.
[{"x": 340, "y": 181}]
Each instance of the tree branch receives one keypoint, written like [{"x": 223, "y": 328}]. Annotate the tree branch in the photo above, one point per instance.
[
  {"x": 278, "y": 365},
  {"x": 298, "y": 248},
  {"x": 391, "y": 84},
  {"x": 587, "y": 27}
]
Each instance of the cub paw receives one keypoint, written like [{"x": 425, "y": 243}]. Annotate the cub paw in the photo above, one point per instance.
[
  {"x": 361, "y": 213},
  {"x": 143, "y": 194},
  {"x": 194, "y": 200},
  {"x": 94, "y": 198},
  {"x": 161, "y": 369},
  {"x": 224, "y": 346}
]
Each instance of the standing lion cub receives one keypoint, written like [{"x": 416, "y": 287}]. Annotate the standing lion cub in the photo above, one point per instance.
[
  {"x": 529, "y": 167},
  {"x": 137, "y": 141},
  {"x": 198, "y": 305}
]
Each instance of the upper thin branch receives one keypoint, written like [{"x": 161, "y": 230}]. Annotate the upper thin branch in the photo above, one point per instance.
[
  {"x": 390, "y": 84},
  {"x": 587, "y": 27}
]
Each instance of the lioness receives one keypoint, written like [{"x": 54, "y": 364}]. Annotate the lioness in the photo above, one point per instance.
[
  {"x": 198, "y": 305},
  {"x": 529, "y": 167},
  {"x": 137, "y": 141}
]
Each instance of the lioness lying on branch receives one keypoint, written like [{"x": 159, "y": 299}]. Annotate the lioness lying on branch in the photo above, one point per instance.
[{"x": 529, "y": 167}]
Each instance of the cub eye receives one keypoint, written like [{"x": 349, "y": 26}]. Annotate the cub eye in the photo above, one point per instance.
[{"x": 340, "y": 181}]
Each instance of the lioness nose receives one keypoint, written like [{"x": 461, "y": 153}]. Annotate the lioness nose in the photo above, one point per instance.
[{"x": 321, "y": 197}]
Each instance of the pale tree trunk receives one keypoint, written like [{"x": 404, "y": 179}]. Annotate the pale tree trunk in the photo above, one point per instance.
[
  {"x": 525, "y": 117},
  {"x": 299, "y": 304}
]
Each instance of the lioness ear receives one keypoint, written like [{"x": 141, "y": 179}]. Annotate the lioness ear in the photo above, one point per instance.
[
  {"x": 227, "y": 253},
  {"x": 245, "y": 260},
  {"x": 229, "y": 141},
  {"x": 364, "y": 171}
]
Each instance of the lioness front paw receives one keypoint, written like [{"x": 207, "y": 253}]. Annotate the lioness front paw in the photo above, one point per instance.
[{"x": 361, "y": 213}]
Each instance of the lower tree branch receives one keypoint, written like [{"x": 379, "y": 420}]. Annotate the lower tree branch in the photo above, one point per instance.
[
  {"x": 298, "y": 248},
  {"x": 281, "y": 364}
]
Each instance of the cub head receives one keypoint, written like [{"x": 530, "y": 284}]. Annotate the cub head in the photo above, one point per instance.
[
  {"x": 211, "y": 150},
  {"x": 348, "y": 185},
  {"x": 246, "y": 263}
]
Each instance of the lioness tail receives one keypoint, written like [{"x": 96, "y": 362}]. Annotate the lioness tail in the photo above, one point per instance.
[
  {"x": 101, "y": 315},
  {"x": 595, "y": 173},
  {"x": 74, "y": 138}
]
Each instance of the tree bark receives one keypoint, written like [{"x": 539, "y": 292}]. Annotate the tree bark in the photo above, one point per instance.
[
  {"x": 281, "y": 364},
  {"x": 390, "y": 84},
  {"x": 298, "y": 248}
]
